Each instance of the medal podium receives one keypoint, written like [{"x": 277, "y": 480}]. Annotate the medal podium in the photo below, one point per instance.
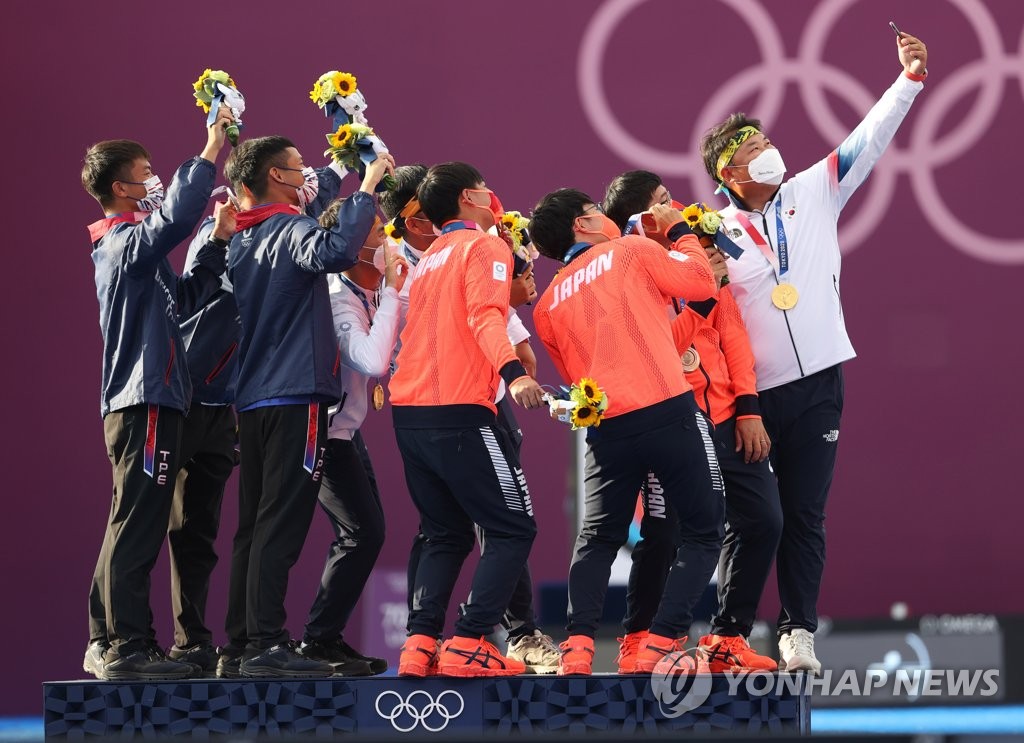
[{"x": 391, "y": 708}]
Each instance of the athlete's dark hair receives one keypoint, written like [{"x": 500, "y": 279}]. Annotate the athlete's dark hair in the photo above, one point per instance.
[
  {"x": 629, "y": 194},
  {"x": 250, "y": 162},
  {"x": 717, "y": 137},
  {"x": 407, "y": 180},
  {"x": 107, "y": 162},
  {"x": 551, "y": 221},
  {"x": 441, "y": 187}
]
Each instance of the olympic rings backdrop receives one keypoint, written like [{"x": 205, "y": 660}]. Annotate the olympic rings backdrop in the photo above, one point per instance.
[{"x": 926, "y": 503}]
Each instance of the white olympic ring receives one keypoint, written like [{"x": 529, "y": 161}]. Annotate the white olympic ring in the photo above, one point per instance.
[
  {"x": 419, "y": 716},
  {"x": 813, "y": 77}
]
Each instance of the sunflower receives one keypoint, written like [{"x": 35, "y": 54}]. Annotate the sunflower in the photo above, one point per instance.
[
  {"x": 198, "y": 84},
  {"x": 389, "y": 230},
  {"x": 341, "y": 138},
  {"x": 344, "y": 83},
  {"x": 316, "y": 92},
  {"x": 692, "y": 214},
  {"x": 591, "y": 392},
  {"x": 584, "y": 416}
]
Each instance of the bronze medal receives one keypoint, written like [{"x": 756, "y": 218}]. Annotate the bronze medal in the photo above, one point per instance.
[
  {"x": 785, "y": 296},
  {"x": 378, "y": 397},
  {"x": 691, "y": 360}
]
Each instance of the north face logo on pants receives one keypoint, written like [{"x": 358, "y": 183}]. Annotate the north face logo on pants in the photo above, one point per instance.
[{"x": 832, "y": 436}]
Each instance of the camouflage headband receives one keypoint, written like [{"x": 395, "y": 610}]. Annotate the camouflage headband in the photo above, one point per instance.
[{"x": 741, "y": 136}]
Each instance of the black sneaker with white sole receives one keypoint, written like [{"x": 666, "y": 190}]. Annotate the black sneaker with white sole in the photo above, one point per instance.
[{"x": 283, "y": 660}]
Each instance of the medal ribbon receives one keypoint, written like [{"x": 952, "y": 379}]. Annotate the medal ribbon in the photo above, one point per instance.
[
  {"x": 575, "y": 250},
  {"x": 459, "y": 224},
  {"x": 362, "y": 297},
  {"x": 781, "y": 265}
]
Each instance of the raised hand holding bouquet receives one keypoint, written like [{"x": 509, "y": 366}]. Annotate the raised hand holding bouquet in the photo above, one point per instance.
[
  {"x": 706, "y": 224},
  {"x": 351, "y": 141},
  {"x": 213, "y": 88},
  {"x": 582, "y": 405},
  {"x": 513, "y": 229}
]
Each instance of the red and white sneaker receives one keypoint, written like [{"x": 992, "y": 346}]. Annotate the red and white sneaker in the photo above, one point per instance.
[
  {"x": 733, "y": 653},
  {"x": 628, "y": 647}
]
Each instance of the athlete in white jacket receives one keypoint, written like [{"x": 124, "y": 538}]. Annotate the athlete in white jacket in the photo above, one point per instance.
[
  {"x": 366, "y": 316},
  {"x": 786, "y": 283}
]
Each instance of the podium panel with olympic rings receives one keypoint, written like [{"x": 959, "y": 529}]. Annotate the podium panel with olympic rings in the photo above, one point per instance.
[{"x": 390, "y": 708}]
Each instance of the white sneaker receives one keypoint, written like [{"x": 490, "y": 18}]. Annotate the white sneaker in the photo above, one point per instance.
[
  {"x": 537, "y": 652},
  {"x": 796, "y": 652}
]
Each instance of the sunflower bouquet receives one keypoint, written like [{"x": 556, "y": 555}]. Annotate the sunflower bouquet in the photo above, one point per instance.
[
  {"x": 514, "y": 226},
  {"x": 582, "y": 405},
  {"x": 706, "y": 224},
  {"x": 352, "y": 142},
  {"x": 213, "y": 88}
]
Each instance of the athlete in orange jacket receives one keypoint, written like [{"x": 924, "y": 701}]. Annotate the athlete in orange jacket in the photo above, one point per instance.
[
  {"x": 461, "y": 467},
  {"x": 604, "y": 317},
  {"x": 712, "y": 340}
]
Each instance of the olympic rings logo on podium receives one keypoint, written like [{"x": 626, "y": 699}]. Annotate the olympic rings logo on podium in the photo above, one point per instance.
[
  {"x": 419, "y": 708},
  {"x": 812, "y": 75}
]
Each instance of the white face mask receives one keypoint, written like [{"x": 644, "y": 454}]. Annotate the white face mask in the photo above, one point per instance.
[
  {"x": 310, "y": 186},
  {"x": 154, "y": 194},
  {"x": 379, "y": 260},
  {"x": 766, "y": 168}
]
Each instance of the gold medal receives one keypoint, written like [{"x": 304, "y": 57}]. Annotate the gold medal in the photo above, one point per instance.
[
  {"x": 378, "y": 397},
  {"x": 691, "y": 360},
  {"x": 785, "y": 296}
]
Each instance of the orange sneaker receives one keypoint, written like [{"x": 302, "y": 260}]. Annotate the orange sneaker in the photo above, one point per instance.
[
  {"x": 628, "y": 647},
  {"x": 652, "y": 649},
  {"x": 467, "y": 656},
  {"x": 733, "y": 654},
  {"x": 682, "y": 663},
  {"x": 419, "y": 656},
  {"x": 577, "y": 656}
]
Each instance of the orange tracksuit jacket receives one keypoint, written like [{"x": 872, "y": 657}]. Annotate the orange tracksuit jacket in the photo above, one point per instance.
[
  {"x": 454, "y": 346},
  {"x": 603, "y": 317},
  {"x": 724, "y": 383}
]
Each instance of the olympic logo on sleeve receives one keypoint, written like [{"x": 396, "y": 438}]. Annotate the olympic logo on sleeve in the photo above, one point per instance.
[
  {"x": 813, "y": 76},
  {"x": 419, "y": 708}
]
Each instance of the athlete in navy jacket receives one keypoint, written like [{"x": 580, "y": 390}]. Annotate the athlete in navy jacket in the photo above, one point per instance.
[
  {"x": 145, "y": 386},
  {"x": 288, "y": 374}
]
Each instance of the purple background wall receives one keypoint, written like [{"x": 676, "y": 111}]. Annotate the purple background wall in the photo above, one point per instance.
[{"x": 926, "y": 504}]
